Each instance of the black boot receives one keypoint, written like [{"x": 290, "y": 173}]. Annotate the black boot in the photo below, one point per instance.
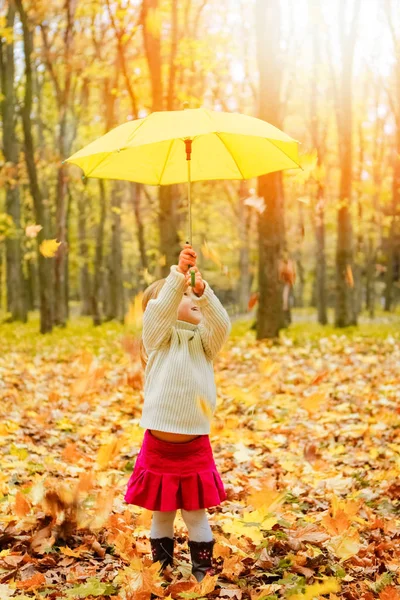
[
  {"x": 162, "y": 549},
  {"x": 201, "y": 554}
]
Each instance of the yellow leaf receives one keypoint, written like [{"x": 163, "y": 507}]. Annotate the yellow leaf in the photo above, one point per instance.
[
  {"x": 108, "y": 452},
  {"x": 237, "y": 528},
  {"x": 211, "y": 254},
  {"x": 48, "y": 248},
  {"x": 345, "y": 546},
  {"x": 317, "y": 589},
  {"x": 205, "y": 407},
  {"x": 69, "y": 552},
  {"x": 134, "y": 316},
  {"x": 313, "y": 402}
]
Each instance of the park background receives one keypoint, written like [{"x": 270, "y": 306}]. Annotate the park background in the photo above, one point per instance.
[{"x": 306, "y": 432}]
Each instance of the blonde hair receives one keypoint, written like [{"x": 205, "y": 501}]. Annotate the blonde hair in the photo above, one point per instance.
[{"x": 150, "y": 293}]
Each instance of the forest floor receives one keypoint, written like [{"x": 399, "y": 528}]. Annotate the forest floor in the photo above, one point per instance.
[{"x": 306, "y": 437}]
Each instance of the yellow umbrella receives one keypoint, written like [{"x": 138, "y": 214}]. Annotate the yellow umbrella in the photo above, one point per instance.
[{"x": 188, "y": 145}]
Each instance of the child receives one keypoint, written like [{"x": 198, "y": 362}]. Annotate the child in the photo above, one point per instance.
[{"x": 183, "y": 331}]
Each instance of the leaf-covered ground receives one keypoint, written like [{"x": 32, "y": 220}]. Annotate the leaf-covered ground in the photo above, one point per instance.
[{"x": 306, "y": 438}]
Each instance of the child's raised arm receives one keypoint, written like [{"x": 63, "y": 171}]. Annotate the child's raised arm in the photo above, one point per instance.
[
  {"x": 215, "y": 324},
  {"x": 161, "y": 313}
]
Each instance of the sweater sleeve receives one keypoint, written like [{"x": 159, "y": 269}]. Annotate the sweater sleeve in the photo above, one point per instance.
[
  {"x": 161, "y": 313},
  {"x": 215, "y": 324}
]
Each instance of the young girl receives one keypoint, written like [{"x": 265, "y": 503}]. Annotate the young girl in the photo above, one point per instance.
[{"x": 183, "y": 330}]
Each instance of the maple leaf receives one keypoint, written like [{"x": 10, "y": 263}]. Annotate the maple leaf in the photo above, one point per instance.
[{"x": 49, "y": 247}]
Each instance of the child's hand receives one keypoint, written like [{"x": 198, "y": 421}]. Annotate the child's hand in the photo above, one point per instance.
[
  {"x": 199, "y": 286},
  {"x": 187, "y": 258}
]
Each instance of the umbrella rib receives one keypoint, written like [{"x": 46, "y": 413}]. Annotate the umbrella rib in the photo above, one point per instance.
[
  {"x": 283, "y": 152},
  {"x": 98, "y": 164},
  {"x": 166, "y": 161},
  {"x": 230, "y": 154}
]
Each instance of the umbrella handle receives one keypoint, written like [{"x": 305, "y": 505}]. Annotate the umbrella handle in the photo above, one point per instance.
[{"x": 192, "y": 275}]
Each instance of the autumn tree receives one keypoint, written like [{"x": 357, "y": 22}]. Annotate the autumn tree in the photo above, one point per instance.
[
  {"x": 270, "y": 222},
  {"x": 41, "y": 208},
  {"x": 15, "y": 281}
]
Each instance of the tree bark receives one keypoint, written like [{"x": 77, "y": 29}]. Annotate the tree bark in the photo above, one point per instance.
[
  {"x": 395, "y": 105},
  {"x": 84, "y": 275},
  {"x": 244, "y": 252},
  {"x": 345, "y": 310},
  {"x": 270, "y": 318},
  {"x": 318, "y": 136},
  {"x": 116, "y": 306},
  {"x": 41, "y": 212},
  {"x": 168, "y": 195},
  {"x": 62, "y": 94},
  {"x": 136, "y": 196},
  {"x": 98, "y": 262},
  {"x": 168, "y": 219},
  {"x": 394, "y": 233},
  {"x": 15, "y": 280}
]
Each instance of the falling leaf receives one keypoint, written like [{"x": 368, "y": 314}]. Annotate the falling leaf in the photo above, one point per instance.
[
  {"x": 32, "y": 230},
  {"x": 22, "y": 505},
  {"x": 205, "y": 407},
  {"x": 211, "y": 254},
  {"x": 257, "y": 202},
  {"x": 48, "y": 248},
  {"x": 134, "y": 316},
  {"x": 349, "y": 276},
  {"x": 253, "y": 300}
]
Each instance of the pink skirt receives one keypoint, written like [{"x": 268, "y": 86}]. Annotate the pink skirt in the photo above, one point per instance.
[{"x": 169, "y": 475}]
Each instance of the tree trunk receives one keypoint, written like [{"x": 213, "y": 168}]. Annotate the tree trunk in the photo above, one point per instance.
[
  {"x": 84, "y": 275},
  {"x": 169, "y": 239},
  {"x": 244, "y": 253},
  {"x": 98, "y": 262},
  {"x": 15, "y": 281},
  {"x": 319, "y": 139},
  {"x": 136, "y": 196},
  {"x": 60, "y": 308},
  {"x": 321, "y": 259},
  {"x": 345, "y": 309},
  {"x": 168, "y": 195},
  {"x": 370, "y": 277},
  {"x": 116, "y": 308},
  {"x": 393, "y": 234},
  {"x": 41, "y": 212},
  {"x": 270, "y": 222}
]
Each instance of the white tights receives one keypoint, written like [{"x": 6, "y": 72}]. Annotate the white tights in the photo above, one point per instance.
[{"x": 199, "y": 530}]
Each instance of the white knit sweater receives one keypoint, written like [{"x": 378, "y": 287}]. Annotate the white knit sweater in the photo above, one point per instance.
[{"x": 180, "y": 369}]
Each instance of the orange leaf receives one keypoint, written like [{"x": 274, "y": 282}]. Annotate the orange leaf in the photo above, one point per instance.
[
  {"x": 253, "y": 300},
  {"x": 389, "y": 593},
  {"x": 33, "y": 583},
  {"x": 349, "y": 276},
  {"x": 22, "y": 505},
  {"x": 71, "y": 454}
]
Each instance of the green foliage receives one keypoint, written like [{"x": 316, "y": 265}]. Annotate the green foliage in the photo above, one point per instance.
[{"x": 93, "y": 587}]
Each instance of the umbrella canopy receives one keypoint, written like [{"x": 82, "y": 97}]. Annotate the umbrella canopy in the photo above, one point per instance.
[{"x": 223, "y": 146}]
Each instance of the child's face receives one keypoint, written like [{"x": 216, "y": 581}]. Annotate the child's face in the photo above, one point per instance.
[{"x": 188, "y": 311}]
